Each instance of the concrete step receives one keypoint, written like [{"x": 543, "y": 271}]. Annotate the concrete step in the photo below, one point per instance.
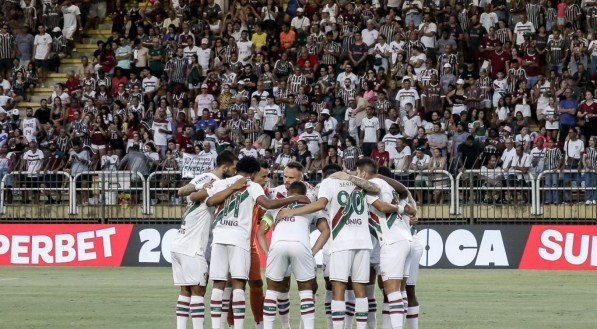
[
  {"x": 86, "y": 47},
  {"x": 23, "y": 105},
  {"x": 40, "y": 90}
]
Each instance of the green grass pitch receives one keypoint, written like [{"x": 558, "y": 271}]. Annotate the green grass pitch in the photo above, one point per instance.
[{"x": 145, "y": 298}]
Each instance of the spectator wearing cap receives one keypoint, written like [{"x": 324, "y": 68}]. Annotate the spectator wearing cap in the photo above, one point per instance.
[
  {"x": 370, "y": 131},
  {"x": 312, "y": 138},
  {"x": 205, "y": 56},
  {"x": 204, "y": 100},
  {"x": 329, "y": 125}
]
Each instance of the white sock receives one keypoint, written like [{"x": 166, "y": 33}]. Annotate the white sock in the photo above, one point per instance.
[
  {"x": 350, "y": 300},
  {"x": 361, "y": 311},
  {"x": 225, "y": 306},
  {"x": 328, "y": 307},
  {"x": 270, "y": 305},
  {"x": 284, "y": 309},
  {"x": 307, "y": 309},
  {"x": 405, "y": 302},
  {"x": 412, "y": 317},
  {"x": 216, "y": 307},
  {"x": 372, "y": 317},
  {"x": 197, "y": 311},
  {"x": 396, "y": 309},
  {"x": 182, "y": 311},
  {"x": 385, "y": 316},
  {"x": 238, "y": 308},
  {"x": 338, "y": 314}
]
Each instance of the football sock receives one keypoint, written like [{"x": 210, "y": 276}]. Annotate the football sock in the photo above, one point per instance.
[
  {"x": 385, "y": 316},
  {"x": 361, "y": 312},
  {"x": 405, "y": 302},
  {"x": 412, "y": 317},
  {"x": 284, "y": 309},
  {"x": 182, "y": 311},
  {"x": 216, "y": 307},
  {"x": 350, "y": 300},
  {"x": 328, "y": 307},
  {"x": 238, "y": 308},
  {"x": 338, "y": 314},
  {"x": 256, "y": 295},
  {"x": 270, "y": 304},
  {"x": 396, "y": 309},
  {"x": 371, "y": 317},
  {"x": 307, "y": 309},
  {"x": 224, "y": 320},
  {"x": 197, "y": 311}
]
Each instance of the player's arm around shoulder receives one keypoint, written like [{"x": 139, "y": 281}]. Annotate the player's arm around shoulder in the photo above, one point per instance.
[
  {"x": 268, "y": 203},
  {"x": 387, "y": 207},
  {"x": 217, "y": 196},
  {"x": 369, "y": 187},
  {"x": 310, "y": 208}
]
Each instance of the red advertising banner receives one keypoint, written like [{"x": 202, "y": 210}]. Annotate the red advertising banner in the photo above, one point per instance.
[
  {"x": 561, "y": 247},
  {"x": 63, "y": 245}
]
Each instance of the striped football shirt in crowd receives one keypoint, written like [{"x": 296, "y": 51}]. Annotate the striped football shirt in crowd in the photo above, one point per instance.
[
  {"x": 388, "y": 30},
  {"x": 572, "y": 14},
  {"x": 346, "y": 94},
  {"x": 295, "y": 81},
  {"x": 502, "y": 34},
  {"x": 351, "y": 155},
  {"x": 553, "y": 157},
  {"x": 556, "y": 50},
  {"x": 177, "y": 69},
  {"x": 7, "y": 43},
  {"x": 533, "y": 13},
  {"x": 327, "y": 58},
  {"x": 382, "y": 108},
  {"x": 591, "y": 158}
]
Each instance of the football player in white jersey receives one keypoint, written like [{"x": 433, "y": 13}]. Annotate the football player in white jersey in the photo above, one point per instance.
[
  {"x": 412, "y": 271},
  {"x": 290, "y": 246},
  {"x": 348, "y": 206},
  {"x": 293, "y": 172},
  {"x": 394, "y": 238},
  {"x": 231, "y": 230},
  {"x": 190, "y": 247}
]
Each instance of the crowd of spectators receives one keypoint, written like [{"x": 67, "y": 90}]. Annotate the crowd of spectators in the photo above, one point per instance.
[{"x": 506, "y": 87}]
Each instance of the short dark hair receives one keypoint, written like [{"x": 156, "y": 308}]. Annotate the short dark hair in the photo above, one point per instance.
[
  {"x": 263, "y": 164},
  {"x": 368, "y": 165},
  {"x": 248, "y": 165},
  {"x": 298, "y": 188},
  {"x": 225, "y": 158},
  {"x": 385, "y": 171},
  {"x": 295, "y": 165},
  {"x": 330, "y": 169}
]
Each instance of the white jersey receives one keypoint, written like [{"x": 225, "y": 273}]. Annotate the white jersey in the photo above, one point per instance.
[
  {"x": 348, "y": 209},
  {"x": 203, "y": 59},
  {"x": 313, "y": 140},
  {"x": 390, "y": 228},
  {"x": 193, "y": 234},
  {"x": 29, "y": 129},
  {"x": 296, "y": 228},
  {"x": 233, "y": 219},
  {"x": 280, "y": 192},
  {"x": 271, "y": 113}
]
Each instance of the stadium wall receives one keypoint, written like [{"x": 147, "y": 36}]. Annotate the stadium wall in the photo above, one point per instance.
[{"x": 542, "y": 247}]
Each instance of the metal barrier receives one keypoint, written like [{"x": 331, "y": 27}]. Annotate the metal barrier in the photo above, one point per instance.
[
  {"x": 110, "y": 190},
  {"x": 162, "y": 199},
  {"x": 494, "y": 194},
  {"x": 20, "y": 185},
  {"x": 555, "y": 200},
  {"x": 474, "y": 196}
]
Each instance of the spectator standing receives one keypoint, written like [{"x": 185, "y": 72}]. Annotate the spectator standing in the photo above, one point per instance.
[
  {"x": 573, "y": 150},
  {"x": 567, "y": 113},
  {"x": 42, "y": 46},
  {"x": 32, "y": 163},
  {"x": 71, "y": 21},
  {"x": 589, "y": 160}
]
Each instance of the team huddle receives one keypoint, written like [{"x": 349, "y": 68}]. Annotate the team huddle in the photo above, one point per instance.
[{"x": 366, "y": 233}]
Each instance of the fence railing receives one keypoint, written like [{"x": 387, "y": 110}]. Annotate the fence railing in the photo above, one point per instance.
[{"x": 470, "y": 196}]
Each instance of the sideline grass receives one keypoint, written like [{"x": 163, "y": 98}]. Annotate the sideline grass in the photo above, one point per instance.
[{"x": 144, "y": 298}]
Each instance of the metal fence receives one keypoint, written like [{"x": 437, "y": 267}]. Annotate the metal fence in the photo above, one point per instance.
[{"x": 467, "y": 197}]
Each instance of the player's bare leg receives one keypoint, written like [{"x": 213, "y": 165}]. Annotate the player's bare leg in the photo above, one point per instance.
[
  {"x": 412, "y": 317},
  {"x": 328, "y": 301},
  {"x": 256, "y": 299}
]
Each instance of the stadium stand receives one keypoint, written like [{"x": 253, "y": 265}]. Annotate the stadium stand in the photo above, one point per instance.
[{"x": 485, "y": 109}]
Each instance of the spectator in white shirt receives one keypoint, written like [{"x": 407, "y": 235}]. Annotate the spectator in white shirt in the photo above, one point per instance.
[
  {"x": 420, "y": 162},
  {"x": 370, "y": 131}
]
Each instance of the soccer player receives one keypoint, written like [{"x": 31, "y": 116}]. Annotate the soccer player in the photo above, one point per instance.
[
  {"x": 293, "y": 172},
  {"x": 290, "y": 246},
  {"x": 231, "y": 229},
  {"x": 189, "y": 248},
  {"x": 350, "y": 248},
  {"x": 412, "y": 271},
  {"x": 395, "y": 239}
]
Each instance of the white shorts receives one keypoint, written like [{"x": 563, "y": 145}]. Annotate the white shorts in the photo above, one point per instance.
[
  {"x": 353, "y": 263},
  {"x": 412, "y": 261},
  {"x": 293, "y": 254},
  {"x": 69, "y": 31},
  {"x": 230, "y": 259},
  {"x": 393, "y": 259},
  {"x": 326, "y": 263},
  {"x": 97, "y": 10},
  {"x": 189, "y": 270}
]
